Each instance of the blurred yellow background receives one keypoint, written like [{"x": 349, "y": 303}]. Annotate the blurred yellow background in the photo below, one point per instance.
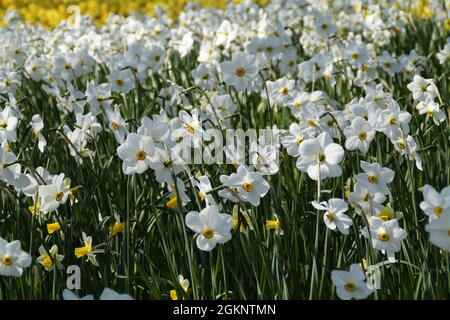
[{"x": 50, "y": 12}]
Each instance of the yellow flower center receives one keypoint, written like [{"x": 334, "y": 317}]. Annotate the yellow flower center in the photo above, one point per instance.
[
  {"x": 284, "y": 91},
  {"x": 321, "y": 157},
  {"x": 190, "y": 129},
  {"x": 298, "y": 105},
  {"x": 392, "y": 121},
  {"x": 298, "y": 140},
  {"x": 141, "y": 155},
  {"x": 120, "y": 82},
  {"x": 401, "y": 144},
  {"x": 365, "y": 68},
  {"x": 201, "y": 195},
  {"x": 350, "y": 287},
  {"x": 355, "y": 56},
  {"x": 312, "y": 122},
  {"x": 208, "y": 233},
  {"x": 386, "y": 214},
  {"x": 247, "y": 187},
  {"x": 240, "y": 72},
  {"x": 430, "y": 113},
  {"x": 157, "y": 58},
  {"x": 372, "y": 179},
  {"x": 329, "y": 216},
  {"x": 438, "y": 211},
  {"x": 383, "y": 236},
  {"x": 59, "y": 196},
  {"x": 362, "y": 136},
  {"x": 7, "y": 260},
  {"x": 115, "y": 125}
]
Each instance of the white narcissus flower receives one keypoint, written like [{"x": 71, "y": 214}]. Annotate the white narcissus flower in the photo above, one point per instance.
[
  {"x": 386, "y": 236},
  {"x": 432, "y": 111},
  {"x": 439, "y": 230},
  {"x": 359, "y": 135},
  {"x": 435, "y": 202},
  {"x": 363, "y": 200},
  {"x": 117, "y": 124},
  {"x": 210, "y": 226},
  {"x": 240, "y": 72},
  {"x": 423, "y": 89},
  {"x": 9, "y": 170},
  {"x": 229, "y": 193},
  {"x": 281, "y": 90},
  {"x": 204, "y": 187},
  {"x": 293, "y": 139},
  {"x": 136, "y": 153},
  {"x": 8, "y": 125},
  {"x": 251, "y": 186},
  {"x": 204, "y": 77},
  {"x": 193, "y": 126},
  {"x": 54, "y": 194},
  {"x": 334, "y": 216},
  {"x": 177, "y": 193},
  {"x": 320, "y": 157},
  {"x": 37, "y": 124},
  {"x": 98, "y": 96},
  {"x": 351, "y": 284},
  {"x": 12, "y": 259},
  {"x": 166, "y": 164},
  {"x": 50, "y": 258},
  {"x": 121, "y": 80},
  {"x": 375, "y": 177},
  {"x": 265, "y": 159}
]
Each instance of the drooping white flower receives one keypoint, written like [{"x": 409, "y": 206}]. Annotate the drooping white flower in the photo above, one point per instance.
[
  {"x": 432, "y": 110},
  {"x": 37, "y": 124},
  {"x": 117, "y": 124}
]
